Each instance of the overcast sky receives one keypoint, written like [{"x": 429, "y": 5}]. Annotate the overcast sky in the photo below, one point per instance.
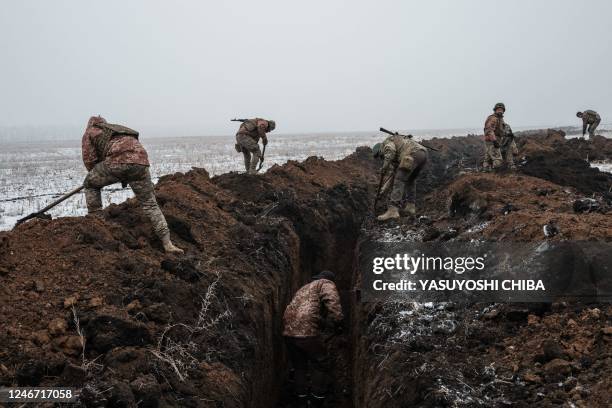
[{"x": 187, "y": 67}]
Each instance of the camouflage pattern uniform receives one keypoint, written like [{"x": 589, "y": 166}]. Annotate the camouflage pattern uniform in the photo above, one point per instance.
[
  {"x": 247, "y": 139},
  {"x": 408, "y": 158},
  {"x": 493, "y": 131},
  {"x": 590, "y": 121},
  {"x": 508, "y": 146},
  {"x": 113, "y": 154},
  {"x": 302, "y": 320}
]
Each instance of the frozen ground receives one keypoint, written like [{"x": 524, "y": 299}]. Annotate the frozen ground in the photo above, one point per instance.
[{"x": 32, "y": 174}]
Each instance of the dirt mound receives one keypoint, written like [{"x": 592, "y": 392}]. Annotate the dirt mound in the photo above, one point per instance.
[
  {"x": 201, "y": 327},
  {"x": 94, "y": 302}
]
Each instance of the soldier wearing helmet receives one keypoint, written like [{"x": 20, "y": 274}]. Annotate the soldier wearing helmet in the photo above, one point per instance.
[
  {"x": 247, "y": 140},
  {"x": 493, "y": 132},
  {"x": 404, "y": 158},
  {"x": 590, "y": 121}
]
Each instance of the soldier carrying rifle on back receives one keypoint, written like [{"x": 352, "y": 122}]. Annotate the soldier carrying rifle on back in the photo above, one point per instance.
[
  {"x": 403, "y": 161},
  {"x": 247, "y": 138}
]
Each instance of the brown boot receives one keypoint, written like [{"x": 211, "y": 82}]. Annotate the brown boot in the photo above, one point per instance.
[
  {"x": 392, "y": 212},
  {"x": 169, "y": 247}
]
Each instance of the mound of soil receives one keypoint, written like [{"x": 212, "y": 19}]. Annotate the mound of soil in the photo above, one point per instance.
[
  {"x": 94, "y": 302},
  {"x": 98, "y": 296}
]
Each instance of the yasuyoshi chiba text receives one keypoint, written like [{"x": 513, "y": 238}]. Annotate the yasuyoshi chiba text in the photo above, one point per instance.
[{"x": 472, "y": 285}]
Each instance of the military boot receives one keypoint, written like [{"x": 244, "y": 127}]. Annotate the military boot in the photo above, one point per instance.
[
  {"x": 169, "y": 247},
  {"x": 410, "y": 209},
  {"x": 392, "y": 212}
]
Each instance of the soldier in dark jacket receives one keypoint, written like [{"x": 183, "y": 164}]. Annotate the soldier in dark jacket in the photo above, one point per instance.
[
  {"x": 113, "y": 154},
  {"x": 313, "y": 306},
  {"x": 247, "y": 138},
  {"x": 590, "y": 121}
]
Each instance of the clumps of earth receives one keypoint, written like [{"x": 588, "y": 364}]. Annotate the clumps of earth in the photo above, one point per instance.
[{"x": 94, "y": 303}]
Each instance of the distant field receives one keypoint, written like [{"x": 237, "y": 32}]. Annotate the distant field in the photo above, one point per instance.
[{"x": 33, "y": 174}]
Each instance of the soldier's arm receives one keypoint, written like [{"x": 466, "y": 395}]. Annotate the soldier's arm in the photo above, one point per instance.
[
  {"x": 389, "y": 153},
  {"x": 331, "y": 299},
  {"x": 584, "y": 124},
  {"x": 262, "y": 125},
  {"x": 489, "y": 128},
  {"x": 90, "y": 157}
]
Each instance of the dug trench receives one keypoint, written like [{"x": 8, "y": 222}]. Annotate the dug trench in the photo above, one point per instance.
[{"x": 92, "y": 302}]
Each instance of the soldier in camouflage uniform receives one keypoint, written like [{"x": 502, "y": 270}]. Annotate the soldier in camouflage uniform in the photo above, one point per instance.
[
  {"x": 508, "y": 147},
  {"x": 314, "y": 305},
  {"x": 590, "y": 120},
  {"x": 493, "y": 132},
  {"x": 113, "y": 154},
  {"x": 247, "y": 138},
  {"x": 405, "y": 158}
]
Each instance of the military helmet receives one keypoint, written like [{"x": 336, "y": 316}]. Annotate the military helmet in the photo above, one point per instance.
[
  {"x": 579, "y": 114},
  {"x": 377, "y": 150},
  {"x": 271, "y": 125},
  {"x": 499, "y": 105}
]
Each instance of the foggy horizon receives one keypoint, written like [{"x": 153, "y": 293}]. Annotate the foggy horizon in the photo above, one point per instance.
[{"x": 185, "y": 69}]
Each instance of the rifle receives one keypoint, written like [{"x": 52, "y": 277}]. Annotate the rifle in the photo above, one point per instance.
[
  {"x": 238, "y": 120},
  {"x": 408, "y": 136},
  {"x": 47, "y": 208},
  {"x": 263, "y": 153}
]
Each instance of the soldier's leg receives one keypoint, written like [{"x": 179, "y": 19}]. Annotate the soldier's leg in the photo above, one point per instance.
[
  {"x": 511, "y": 151},
  {"x": 486, "y": 160},
  {"x": 420, "y": 159},
  {"x": 592, "y": 128},
  {"x": 249, "y": 145},
  {"x": 247, "y": 159},
  {"x": 495, "y": 155},
  {"x": 397, "y": 195},
  {"x": 98, "y": 177},
  {"x": 255, "y": 158},
  {"x": 299, "y": 363},
  {"x": 319, "y": 365},
  {"x": 141, "y": 184}
]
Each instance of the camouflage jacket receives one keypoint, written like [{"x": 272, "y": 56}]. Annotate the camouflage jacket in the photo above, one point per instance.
[
  {"x": 310, "y": 305},
  {"x": 112, "y": 144},
  {"x": 396, "y": 147},
  {"x": 255, "y": 128},
  {"x": 493, "y": 128}
]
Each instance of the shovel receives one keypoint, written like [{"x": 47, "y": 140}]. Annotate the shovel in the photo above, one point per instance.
[{"x": 40, "y": 213}]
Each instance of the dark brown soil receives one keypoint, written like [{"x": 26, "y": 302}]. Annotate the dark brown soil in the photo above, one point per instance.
[{"x": 203, "y": 329}]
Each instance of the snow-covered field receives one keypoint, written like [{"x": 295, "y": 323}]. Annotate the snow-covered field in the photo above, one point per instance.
[{"x": 32, "y": 174}]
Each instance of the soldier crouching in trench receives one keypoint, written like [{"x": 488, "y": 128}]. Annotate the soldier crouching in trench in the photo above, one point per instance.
[
  {"x": 314, "y": 305},
  {"x": 403, "y": 161},
  {"x": 247, "y": 140},
  {"x": 112, "y": 154}
]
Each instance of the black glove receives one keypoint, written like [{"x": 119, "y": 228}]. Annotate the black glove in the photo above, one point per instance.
[{"x": 496, "y": 144}]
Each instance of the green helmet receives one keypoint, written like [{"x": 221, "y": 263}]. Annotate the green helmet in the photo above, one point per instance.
[
  {"x": 377, "y": 150},
  {"x": 271, "y": 125},
  {"x": 499, "y": 105}
]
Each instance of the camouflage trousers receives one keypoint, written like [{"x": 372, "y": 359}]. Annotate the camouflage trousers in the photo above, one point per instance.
[
  {"x": 250, "y": 151},
  {"x": 139, "y": 179},
  {"x": 492, "y": 156},
  {"x": 592, "y": 127},
  {"x": 508, "y": 151},
  {"x": 404, "y": 186},
  {"x": 309, "y": 358}
]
